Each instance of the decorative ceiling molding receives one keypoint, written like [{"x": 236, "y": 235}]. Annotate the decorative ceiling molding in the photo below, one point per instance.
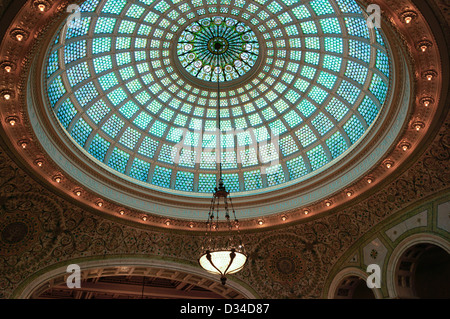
[{"x": 34, "y": 24}]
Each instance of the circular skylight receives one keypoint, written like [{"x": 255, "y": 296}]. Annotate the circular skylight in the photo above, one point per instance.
[
  {"x": 119, "y": 82},
  {"x": 218, "y": 49}
]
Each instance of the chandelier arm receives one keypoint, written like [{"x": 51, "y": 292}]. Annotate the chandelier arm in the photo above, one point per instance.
[
  {"x": 208, "y": 257},
  {"x": 232, "y": 208},
  {"x": 219, "y": 124},
  {"x": 232, "y": 255}
]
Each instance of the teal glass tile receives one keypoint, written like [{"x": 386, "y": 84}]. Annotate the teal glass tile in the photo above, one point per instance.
[
  {"x": 184, "y": 181},
  {"x": 336, "y": 144},
  {"x": 66, "y": 113},
  {"x": 275, "y": 175},
  {"x": 140, "y": 169},
  {"x": 98, "y": 111},
  {"x": 162, "y": 176},
  {"x": 317, "y": 157},
  {"x": 99, "y": 147},
  {"x": 296, "y": 168},
  {"x": 113, "y": 126},
  {"x": 252, "y": 180},
  {"x": 81, "y": 131},
  {"x": 118, "y": 160},
  {"x": 306, "y": 136},
  {"x": 354, "y": 129}
]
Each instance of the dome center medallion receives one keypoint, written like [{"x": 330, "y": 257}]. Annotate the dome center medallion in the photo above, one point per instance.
[{"x": 217, "y": 47}]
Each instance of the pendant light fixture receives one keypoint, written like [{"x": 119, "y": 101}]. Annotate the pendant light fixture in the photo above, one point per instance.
[{"x": 222, "y": 254}]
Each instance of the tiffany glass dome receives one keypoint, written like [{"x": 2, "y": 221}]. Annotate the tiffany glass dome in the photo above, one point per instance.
[
  {"x": 133, "y": 84},
  {"x": 218, "y": 49}
]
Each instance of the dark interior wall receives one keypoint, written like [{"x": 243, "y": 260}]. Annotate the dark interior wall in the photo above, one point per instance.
[{"x": 432, "y": 275}]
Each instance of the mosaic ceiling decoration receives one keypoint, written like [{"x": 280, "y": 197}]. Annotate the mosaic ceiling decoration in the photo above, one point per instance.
[
  {"x": 218, "y": 49},
  {"x": 131, "y": 82}
]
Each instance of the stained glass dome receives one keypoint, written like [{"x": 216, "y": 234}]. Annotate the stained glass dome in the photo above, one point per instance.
[
  {"x": 306, "y": 80},
  {"x": 218, "y": 49}
]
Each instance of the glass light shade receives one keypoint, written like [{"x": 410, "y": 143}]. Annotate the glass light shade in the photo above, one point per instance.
[{"x": 221, "y": 262}]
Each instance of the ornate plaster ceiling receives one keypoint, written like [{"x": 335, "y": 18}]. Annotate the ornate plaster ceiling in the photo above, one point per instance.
[{"x": 294, "y": 64}]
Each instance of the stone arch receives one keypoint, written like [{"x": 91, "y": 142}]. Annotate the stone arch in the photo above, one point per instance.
[
  {"x": 350, "y": 283},
  {"x": 135, "y": 266},
  {"x": 404, "y": 260}
]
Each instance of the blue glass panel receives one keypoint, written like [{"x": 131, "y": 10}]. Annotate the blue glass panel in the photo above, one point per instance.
[
  {"x": 98, "y": 111},
  {"x": 86, "y": 94},
  {"x": 56, "y": 90},
  {"x": 99, "y": 147},
  {"x": 296, "y": 168},
  {"x": 337, "y": 144},
  {"x": 162, "y": 176},
  {"x": 118, "y": 160},
  {"x": 81, "y": 131},
  {"x": 231, "y": 182},
  {"x": 317, "y": 157},
  {"x": 74, "y": 51},
  {"x": 139, "y": 170},
  {"x": 275, "y": 175},
  {"x": 369, "y": 110},
  {"x": 66, "y": 113},
  {"x": 206, "y": 183},
  {"x": 148, "y": 147},
  {"x": 184, "y": 181},
  {"x": 354, "y": 129},
  {"x": 252, "y": 180}
]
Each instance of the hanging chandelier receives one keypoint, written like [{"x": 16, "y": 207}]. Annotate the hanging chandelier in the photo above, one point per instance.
[{"x": 221, "y": 254}]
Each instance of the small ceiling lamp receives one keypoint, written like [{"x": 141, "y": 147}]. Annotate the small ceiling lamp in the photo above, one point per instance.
[
  {"x": 12, "y": 120},
  {"x": 424, "y": 45},
  {"x": 7, "y": 66},
  {"x": 57, "y": 179},
  {"x": 388, "y": 164},
  {"x": 418, "y": 125},
  {"x": 405, "y": 146},
  {"x": 23, "y": 143},
  {"x": 427, "y": 101},
  {"x": 429, "y": 75},
  {"x": 39, "y": 162},
  {"x": 6, "y": 95},
  {"x": 19, "y": 34},
  {"x": 41, "y": 5},
  {"x": 408, "y": 16},
  {"x": 222, "y": 255}
]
